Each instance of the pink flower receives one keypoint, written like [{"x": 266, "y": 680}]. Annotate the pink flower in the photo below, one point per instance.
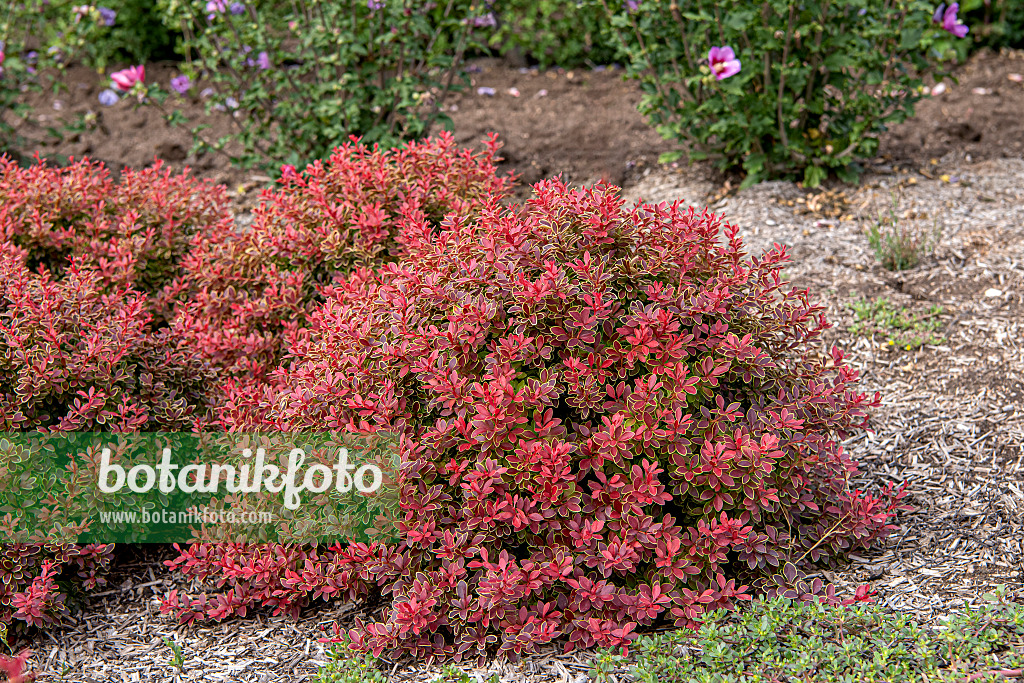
[
  {"x": 124, "y": 80},
  {"x": 948, "y": 19},
  {"x": 723, "y": 62}
]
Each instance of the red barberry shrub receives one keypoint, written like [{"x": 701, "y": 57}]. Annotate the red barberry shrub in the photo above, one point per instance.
[
  {"x": 134, "y": 232},
  {"x": 244, "y": 293},
  {"x": 610, "y": 417},
  {"x": 75, "y": 356}
]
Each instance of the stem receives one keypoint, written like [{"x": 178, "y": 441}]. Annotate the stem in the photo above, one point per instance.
[{"x": 782, "y": 79}]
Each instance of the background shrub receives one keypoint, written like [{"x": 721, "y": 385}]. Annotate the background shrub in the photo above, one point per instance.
[
  {"x": 138, "y": 34},
  {"x": 995, "y": 23},
  {"x": 303, "y": 77},
  {"x": 552, "y": 33},
  {"x": 609, "y": 418},
  {"x": 38, "y": 40},
  {"x": 134, "y": 232},
  {"x": 819, "y": 80},
  {"x": 243, "y": 293}
]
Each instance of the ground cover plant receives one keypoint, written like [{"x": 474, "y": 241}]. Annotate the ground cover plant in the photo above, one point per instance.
[
  {"x": 894, "y": 325},
  {"x": 780, "y": 89},
  {"x": 609, "y": 418},
  {"x": 790, "y": 640}
]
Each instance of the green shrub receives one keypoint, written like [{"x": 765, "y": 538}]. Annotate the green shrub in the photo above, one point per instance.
[
  {"x": 554, "y": 33},
  {"x": 300, "y": 79},
  {"x": 787, "y": 640},
  {"x": 819, "y": 80},
  {"x": 995, "y": 23},
  {"x": 137, "y": 34}
]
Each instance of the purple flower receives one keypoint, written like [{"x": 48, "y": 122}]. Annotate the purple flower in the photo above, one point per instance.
[
  {"x": 181, "y": 84},
  {"x": 206, "y": 93},
  {"x": 486, "y": 21},
  {"x": 263, "y": 61},
  {"x": 374, "y": 5},
  {"x": 215, "y": 7},
  {"x": 108, "y": 15},
  {"x": 947, "y": 18},
  {"x": 109, "y": 97},
  {"x": 723, "y": 62},
  {"x": 236, "y": 8},
  {"x": 632, "y": 5},
  {"x": 863, "y": 11},
  {"x": 484, "y": 90}
]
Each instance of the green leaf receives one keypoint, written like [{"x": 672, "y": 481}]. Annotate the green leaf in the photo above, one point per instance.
[
  {"x": 814, "y": 175},
  {"x": 837, "y": 61},
  {"x": 738, "y": 20},
  {"x": 669, "y": 157}
]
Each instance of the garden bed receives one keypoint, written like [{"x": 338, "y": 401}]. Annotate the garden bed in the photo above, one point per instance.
[{"x": 952, "y": 417}]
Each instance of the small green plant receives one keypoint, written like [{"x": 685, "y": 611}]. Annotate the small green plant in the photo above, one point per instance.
[
  {"x": 897, "y": 326},
  {"x": 898, "y": 246},
  {"x": 790, "y": 640},
  {"x": 450, "y": 673},
  {"x": 177, "y": 658},
  {"x": 346, "y": 667},
  {"x": 779, "y": 88}
]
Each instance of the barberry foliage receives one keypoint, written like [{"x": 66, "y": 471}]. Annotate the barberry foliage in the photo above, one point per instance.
[
  {"x": 133, "y": 232},
  {"x": 83, "y": 261},
  {"x": 29, "y": 593},
  {"x": 610, "y": 417},
  {"x": 244, "y": 293},
  {"x": 76, "y": 356}
]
